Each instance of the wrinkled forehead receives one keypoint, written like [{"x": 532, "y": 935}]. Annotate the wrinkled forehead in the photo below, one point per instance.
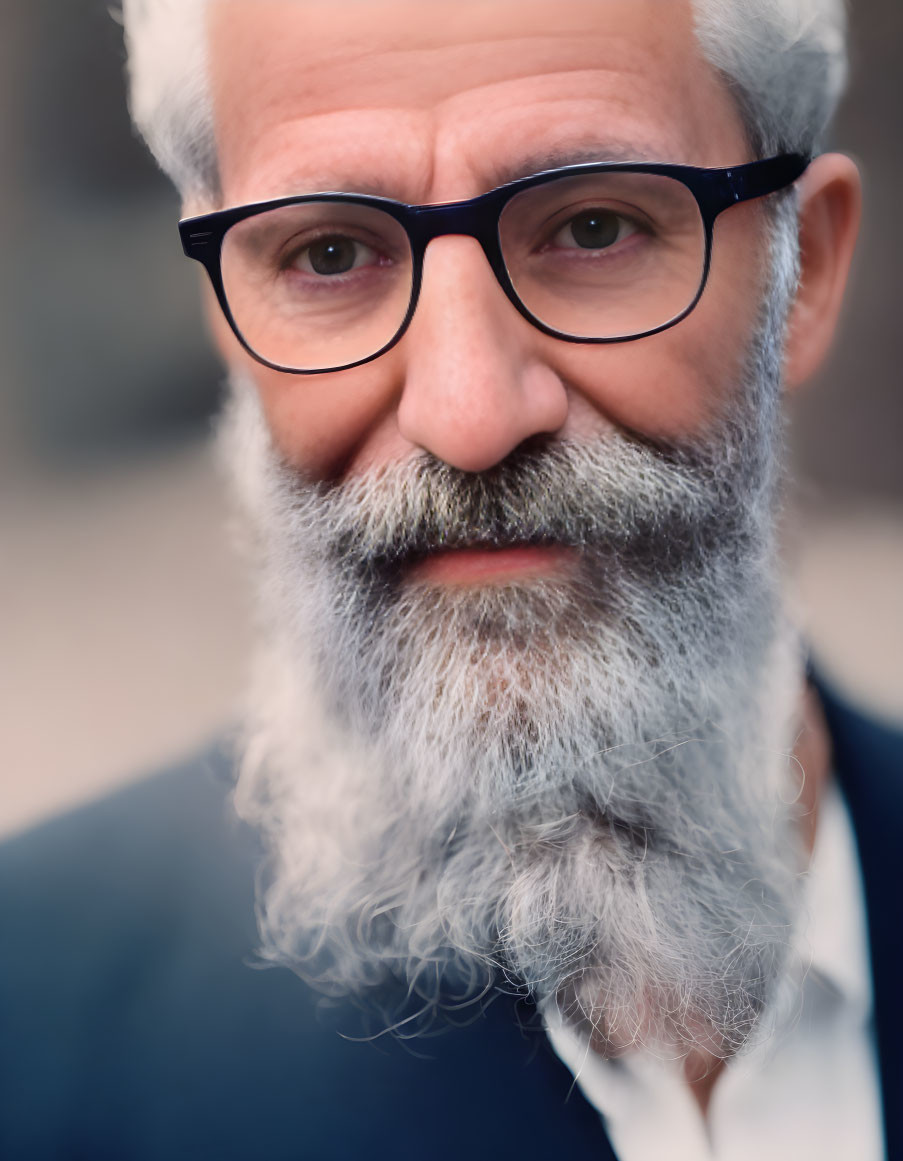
[{"x": 403, "y": 96}]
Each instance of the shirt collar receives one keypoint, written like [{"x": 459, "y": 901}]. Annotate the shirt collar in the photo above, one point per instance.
[{"x": 834, "y": 941}]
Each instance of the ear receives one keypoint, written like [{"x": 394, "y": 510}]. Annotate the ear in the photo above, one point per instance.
[{"x": 830, "y": 201}]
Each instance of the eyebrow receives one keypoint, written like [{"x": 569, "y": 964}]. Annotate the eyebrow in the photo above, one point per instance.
[
  {"x": 371, "y": 185},
  {"x": 497, "y": 174},
  {"x": 580, "y": 155}
]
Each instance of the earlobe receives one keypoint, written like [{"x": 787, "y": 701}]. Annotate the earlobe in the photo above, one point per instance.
[{"x": 830, "y": 207}]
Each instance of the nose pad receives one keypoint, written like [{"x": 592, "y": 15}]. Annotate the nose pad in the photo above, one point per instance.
[{"x": 474, "y": 388}]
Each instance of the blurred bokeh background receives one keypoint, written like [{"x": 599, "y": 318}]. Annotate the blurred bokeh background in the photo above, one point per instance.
[{"x": 125, "y": 629}]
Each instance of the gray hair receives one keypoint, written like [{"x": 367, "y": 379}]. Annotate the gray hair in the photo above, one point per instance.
[{"x": 784, "y": 60}]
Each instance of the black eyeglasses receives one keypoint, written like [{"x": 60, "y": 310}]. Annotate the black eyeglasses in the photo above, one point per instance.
[{"x": 589, "y": 254}]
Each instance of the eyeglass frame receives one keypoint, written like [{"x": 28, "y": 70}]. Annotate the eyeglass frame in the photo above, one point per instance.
[{"x": 715, "y": 190}]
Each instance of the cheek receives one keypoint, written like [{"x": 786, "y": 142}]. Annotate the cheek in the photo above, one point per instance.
[
  {"x": 320, "y": 422},
  {"x": 657, "y": 387}
]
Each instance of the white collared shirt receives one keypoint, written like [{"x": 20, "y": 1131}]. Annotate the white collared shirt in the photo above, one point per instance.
[{"x": 809, "y": 1093}]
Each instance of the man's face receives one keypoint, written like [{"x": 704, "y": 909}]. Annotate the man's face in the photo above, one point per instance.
[
  {"x": 439, "y": 100},
  {"x": 531, "y": 582}
]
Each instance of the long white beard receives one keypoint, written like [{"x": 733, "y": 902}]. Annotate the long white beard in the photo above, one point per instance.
[{"x": 581, "y": 783}]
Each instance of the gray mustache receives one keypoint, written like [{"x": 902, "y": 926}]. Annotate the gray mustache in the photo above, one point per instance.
[{"x": 616, "y": 500}]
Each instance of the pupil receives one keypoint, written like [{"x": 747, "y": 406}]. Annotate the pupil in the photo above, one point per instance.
[
  {"x": 595, "y": 229},
  {"x": 334, "y": 255}
]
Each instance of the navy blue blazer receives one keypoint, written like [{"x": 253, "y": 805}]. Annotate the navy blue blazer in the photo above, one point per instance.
[{"x": 133, "y": 1026}]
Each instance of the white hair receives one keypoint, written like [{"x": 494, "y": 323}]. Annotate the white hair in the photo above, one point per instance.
[
  {"x": 784, "y": 60},
  {"x": 166, "y": 41}
]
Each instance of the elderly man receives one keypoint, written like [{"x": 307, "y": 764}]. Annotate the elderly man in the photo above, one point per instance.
[{"x": 509, "y": 292}]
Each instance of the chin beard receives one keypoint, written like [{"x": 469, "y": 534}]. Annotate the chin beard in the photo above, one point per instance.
[{"x": 577, "y": 785}]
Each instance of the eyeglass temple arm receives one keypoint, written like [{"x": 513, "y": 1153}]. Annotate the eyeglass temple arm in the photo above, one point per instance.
[{"x": 760, "y": 178}]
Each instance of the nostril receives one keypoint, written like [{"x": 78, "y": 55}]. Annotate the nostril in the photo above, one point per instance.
[{"x": 535, "y": 445}]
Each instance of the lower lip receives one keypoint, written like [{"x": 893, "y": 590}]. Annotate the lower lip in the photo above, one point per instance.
[{"x": 487, "y": 565}]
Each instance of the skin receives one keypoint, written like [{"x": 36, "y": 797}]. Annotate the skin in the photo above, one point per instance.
[{"x": 441, "y": 100}]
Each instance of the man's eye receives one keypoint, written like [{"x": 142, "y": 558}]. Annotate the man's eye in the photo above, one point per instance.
[
  {"x": 594, "y": 229},
  {"x": 334, "y": 254}
]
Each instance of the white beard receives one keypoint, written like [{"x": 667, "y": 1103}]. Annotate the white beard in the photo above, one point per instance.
[{"x": 579, "y": 783}]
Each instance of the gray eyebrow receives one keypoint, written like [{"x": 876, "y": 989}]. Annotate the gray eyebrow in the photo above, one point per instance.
[
  {"x": 582, "y": 155},
  {"x": 497, "y": 175},
  {"x": 372, "y": 186}
]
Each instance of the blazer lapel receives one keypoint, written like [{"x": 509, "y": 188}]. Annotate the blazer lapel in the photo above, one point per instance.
[{"x": 869, "y": 762}]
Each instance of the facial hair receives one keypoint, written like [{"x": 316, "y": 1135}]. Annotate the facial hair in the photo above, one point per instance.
[{"x": 575, "y": 783}]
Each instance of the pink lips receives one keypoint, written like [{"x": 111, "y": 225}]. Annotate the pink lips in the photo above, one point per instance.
[{"x": 482, "y": 565}]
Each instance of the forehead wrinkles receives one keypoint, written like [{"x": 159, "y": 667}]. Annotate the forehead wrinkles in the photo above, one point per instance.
[
  {"x": 281, "y": 61},
  {"x": 330, "y": 54},
  {"x": 360, "y": 77}
]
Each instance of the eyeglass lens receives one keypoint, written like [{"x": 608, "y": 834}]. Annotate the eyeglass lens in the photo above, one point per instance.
[{"x": 322, "y": 284}]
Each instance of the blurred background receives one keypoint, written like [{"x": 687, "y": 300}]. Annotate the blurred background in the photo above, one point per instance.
[{"x": 125, "y": 634}]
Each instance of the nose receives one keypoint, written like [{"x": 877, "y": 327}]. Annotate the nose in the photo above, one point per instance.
[{"x": 474, "y": 385}]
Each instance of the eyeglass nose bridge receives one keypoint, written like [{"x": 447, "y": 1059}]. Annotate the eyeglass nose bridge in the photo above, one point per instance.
[{"x": 477, "y": 219}]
